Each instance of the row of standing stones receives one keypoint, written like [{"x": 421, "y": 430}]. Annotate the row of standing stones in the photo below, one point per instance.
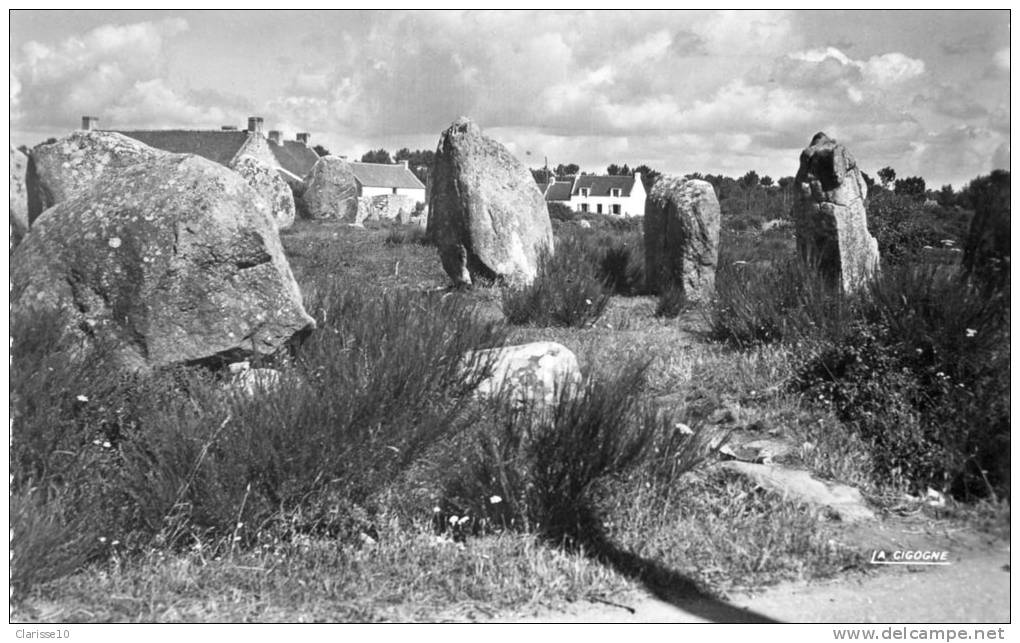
[{"x": 173, "y": 259}]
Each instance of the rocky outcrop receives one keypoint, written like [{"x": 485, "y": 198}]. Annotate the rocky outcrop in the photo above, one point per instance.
[
  {"x": 57, "y": 171},
  {"x": 528, "y": 373},
  {"x": 831, "y": 222},
  {"x": 486, "y": 214},
  {"x": 839, "y": 500},
  {"x": 332, "y": 191},
  {"x": 267, "y": 182},
  {"x": 681, "y": 230},
  {"x": 169, "y": 260},
  {"x": 18, "y": 196}
]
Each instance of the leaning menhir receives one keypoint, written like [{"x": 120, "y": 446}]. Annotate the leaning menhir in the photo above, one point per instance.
[
  {"x": 486, "y": 214},
  {"x": 829, "y": 214}
]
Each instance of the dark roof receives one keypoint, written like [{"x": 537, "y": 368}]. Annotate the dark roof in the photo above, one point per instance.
[
  {"x": 600, "y": 185},
  {"x": 381, "y": 175},
  {"x": 216, "y": 145},
  {"x": 559, "y": 191},
  {"x": 295, "y": 157},
  {"x": 542, "y": 187}
]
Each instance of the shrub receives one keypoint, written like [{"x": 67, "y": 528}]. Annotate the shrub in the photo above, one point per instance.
[
  {"x": 903, "y": 227},
  {"x": 566, "y": 292},
  {"x": 561, "y": 211},
  {"x": 410, "y": 235},
  {"x": 542, "y": 470},
  {"x": 784, "y": 301},
  {"x": 923, "y": 374}
]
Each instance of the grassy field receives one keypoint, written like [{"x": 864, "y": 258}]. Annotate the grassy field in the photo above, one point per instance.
[{"x": 369, "y": 490}]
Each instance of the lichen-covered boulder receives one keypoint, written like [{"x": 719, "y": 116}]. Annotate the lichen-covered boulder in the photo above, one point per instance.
[
  {"x": 829, "y": 214},
  {"x": 681, "y": 231},
  {"x": 528, "y": 373},
  {"x": 332, "y": 191},
  {"x": 267, "y": 182},
  {"x": 18, "y": 196},
  {"x": 174, "y": 260},
  {"x": 57, "y": 171},
  {"x": 486, "y": 214}
]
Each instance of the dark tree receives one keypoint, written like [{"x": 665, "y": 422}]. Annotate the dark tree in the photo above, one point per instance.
[
  {"x": 648, "y": 176},
  {"x": 911, "y": 186},
  {"x": 542, "y": 175},
  {"x": 766, "y": 181},
  {"x": 320, "y": 150},
  {"x": 749, "y": 180},
  {"x": 419, "y": 161},
  {"x": 887, "y": 175},
  {"x": 613, "y": 170},
  {"x": 571, "y": 169},
  {"x": 376, "y": 156}
]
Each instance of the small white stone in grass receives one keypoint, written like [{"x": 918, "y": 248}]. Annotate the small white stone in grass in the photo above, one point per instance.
[
  {"x": 495, "y": 500},
  {"x": 114, "y": 242}
]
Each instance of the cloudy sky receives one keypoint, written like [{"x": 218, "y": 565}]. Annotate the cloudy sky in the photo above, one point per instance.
[{"x": 925, "y": 92}]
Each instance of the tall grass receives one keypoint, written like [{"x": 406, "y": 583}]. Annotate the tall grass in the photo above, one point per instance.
[
  {"x": 177, "y": 457},
  {"x": 566, "y": 292}
]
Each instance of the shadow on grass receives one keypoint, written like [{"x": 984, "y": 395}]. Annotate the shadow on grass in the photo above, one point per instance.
[{"x": 670, "y": 586}]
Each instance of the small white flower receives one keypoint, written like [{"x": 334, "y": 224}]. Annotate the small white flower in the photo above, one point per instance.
[
  {"x": 114, "y": 242},
  {"x": 82, "y": 398},
  {"x": 587, "y": 301},
  {"x": 463, "y": 520},
  {"x": 436, "y": 510},
  {"x": 106, "y": 445},
  {"x": 919, "y": 350},
  {"x": 495, "y": 500},
  {"x": 684, "y": 429},
  {"x": 240, "y": 524},
  {"x": 453, "y": 520},
  {"x": 115, "y": 543},
  {"x": 971, "y": 332},
  {"x": 102, "y": 539}
]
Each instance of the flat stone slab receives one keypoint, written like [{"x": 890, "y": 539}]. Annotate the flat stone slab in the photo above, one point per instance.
[{"x": 843, "y": 501}]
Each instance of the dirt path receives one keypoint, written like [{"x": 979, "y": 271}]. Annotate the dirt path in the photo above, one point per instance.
[{"x": 973, "y": 588}]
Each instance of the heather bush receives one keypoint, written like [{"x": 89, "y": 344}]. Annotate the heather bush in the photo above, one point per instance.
[
  {"x": 903, "y": 227},
  {"x": 783, "y": 301},
  {"x": 566, "y": 292},
  {"x": 923, "y": 375},
  {"x": 561, "y": 211},
  {"x": 543, "y": 470},
  {"x": 407, "y": 235}
]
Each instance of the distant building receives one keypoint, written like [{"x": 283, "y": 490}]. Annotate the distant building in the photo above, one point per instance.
[
  {"x": 615, "y": 195},
  {"x": 380, "y": 179},
  {"x": 292, "y": 159}
]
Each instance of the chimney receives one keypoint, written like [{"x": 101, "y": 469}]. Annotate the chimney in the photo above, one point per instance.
[
  {"x": 404, "y": 163},
  {"x": 276, "y": 136},
  {"x": 228, "y": 128},
  {"x": 637, "y": 177},
  {"x": 89, "y": 123},
  {"x": 255, "y": 124},
  {"x": 303, "y": 137}
]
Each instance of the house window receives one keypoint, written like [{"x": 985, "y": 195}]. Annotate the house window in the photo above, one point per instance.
[
  {"x": 394, "y": 190},
  {"x": 614, "y": 192},
  {"x": 584, "y": 207},
  {"x": 616, "y": 208},
  {"x": 598, "y": 208},
  {"x": 584, "y": 192}
]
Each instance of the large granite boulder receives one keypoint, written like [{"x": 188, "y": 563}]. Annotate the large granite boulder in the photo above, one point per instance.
[
  {"x": 534, "y": 373},
  {"x": 332, "y": 191},
  {"x": 57, "y": 171},
  {"x": 986, "y": 249},
  {"x": 681, "y": 229},
  {"x": 270, "y": 186},
  {"x": 829, "y": 214},
  {"x": 170, "y": 260},
  {"x": 19, "y": 196},
  {"x": 486, "y": 214}
]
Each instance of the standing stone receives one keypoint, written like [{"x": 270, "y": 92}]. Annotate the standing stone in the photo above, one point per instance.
[
  {"x": 332, "y": 191},
  {"x": 831, "y": 222},
  {"x": 175, "y": 260},
  {"x": 681, "y": 230},
  {"x": 18, "y": 196},
  {"x": 57, "y": 171},
  {"x": 486, "y": 214},
  {"x": 268, "y": 184},
  {"x": 986, "y": 250},
  {"x": 528, "y": 373}
]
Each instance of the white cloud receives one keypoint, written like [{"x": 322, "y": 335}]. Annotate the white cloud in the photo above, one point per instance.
[
  {"x": 892, "y": 68},
  {"x": 151, "y": 103}
]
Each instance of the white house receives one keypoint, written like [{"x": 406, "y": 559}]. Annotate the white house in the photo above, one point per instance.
[
  {"x": 380, "y": 179},
  {"x": 615, "y": 195}
]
